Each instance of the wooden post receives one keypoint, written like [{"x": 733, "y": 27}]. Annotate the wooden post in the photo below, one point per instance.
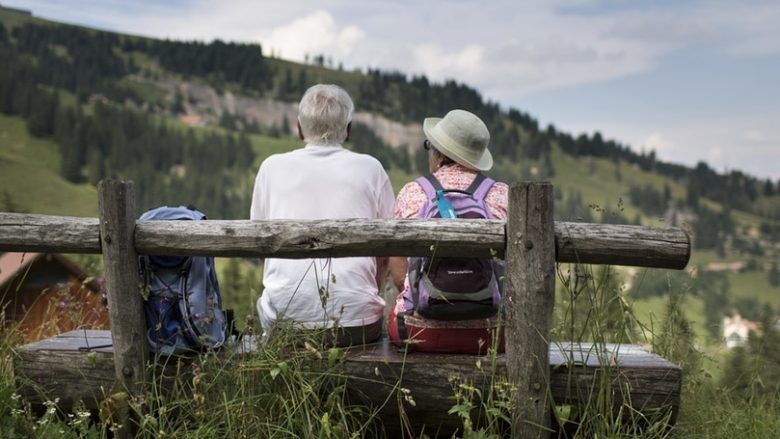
[
  {"x": 530, "y": 294},
  {"x": 116, "y": 203}
]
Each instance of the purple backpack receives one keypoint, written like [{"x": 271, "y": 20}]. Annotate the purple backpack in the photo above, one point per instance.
[{"x": 454, "y": 288}]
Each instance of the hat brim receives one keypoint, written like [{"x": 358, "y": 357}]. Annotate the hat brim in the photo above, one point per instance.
[{"x": 483, "y": 163}]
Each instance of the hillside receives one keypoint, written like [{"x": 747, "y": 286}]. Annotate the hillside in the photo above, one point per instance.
[{"x": 190, "y": 122}]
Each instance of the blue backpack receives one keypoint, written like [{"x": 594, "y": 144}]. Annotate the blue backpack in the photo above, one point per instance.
[
  {"x": 182, "y": 304},
  {"x": 454, "y": 288}
]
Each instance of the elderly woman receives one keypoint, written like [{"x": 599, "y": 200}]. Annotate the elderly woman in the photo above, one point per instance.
[
  {"x": 323, "y": 180},
  {"x": 457, "y": 148}
]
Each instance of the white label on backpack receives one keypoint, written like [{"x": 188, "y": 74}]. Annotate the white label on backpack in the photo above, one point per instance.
[{"x": 460, "y": 271}]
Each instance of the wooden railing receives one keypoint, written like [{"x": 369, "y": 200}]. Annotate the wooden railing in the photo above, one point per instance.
[{"x": 530, "y": 242}]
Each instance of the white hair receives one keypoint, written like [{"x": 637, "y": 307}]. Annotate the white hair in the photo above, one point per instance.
[{"x": 324, "y": 112}]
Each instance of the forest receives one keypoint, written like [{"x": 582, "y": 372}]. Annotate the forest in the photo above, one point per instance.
[{"x": 42, "y": 59}]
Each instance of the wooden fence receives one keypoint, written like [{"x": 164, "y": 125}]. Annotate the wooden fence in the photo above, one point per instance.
[{"x": 530, "y": 242}]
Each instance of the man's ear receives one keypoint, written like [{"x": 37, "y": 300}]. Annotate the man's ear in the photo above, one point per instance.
[
  {"x": 300, "y": 131},
  {"x": 349, "y": 132}
]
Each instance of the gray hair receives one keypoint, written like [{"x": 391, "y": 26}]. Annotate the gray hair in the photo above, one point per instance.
[{"x": 324, "y": 112}]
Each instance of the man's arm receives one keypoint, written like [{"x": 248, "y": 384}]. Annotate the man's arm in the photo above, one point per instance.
[{"x": 381, "y": 273}]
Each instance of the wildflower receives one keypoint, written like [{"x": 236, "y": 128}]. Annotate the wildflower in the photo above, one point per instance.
[
  {"x": 199, "y": 398},
  {"x": 407, "y": 395},
  {"x": 49, "y": 403}
]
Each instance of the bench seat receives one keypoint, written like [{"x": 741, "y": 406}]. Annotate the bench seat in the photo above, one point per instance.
[{"x": 78, "y": 365}]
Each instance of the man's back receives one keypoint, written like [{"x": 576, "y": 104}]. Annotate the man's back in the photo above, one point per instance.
[{"x": 321, "y": 182}]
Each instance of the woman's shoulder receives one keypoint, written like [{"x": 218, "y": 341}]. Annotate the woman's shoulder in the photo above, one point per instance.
[
  {"x": 500, "y": 186},
  {"x": 411, "y": 186}
]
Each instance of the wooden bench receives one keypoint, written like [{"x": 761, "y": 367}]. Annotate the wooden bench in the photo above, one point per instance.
[
  {"x": 530, "y": 242},
  {"x": 79, "y": 366}
]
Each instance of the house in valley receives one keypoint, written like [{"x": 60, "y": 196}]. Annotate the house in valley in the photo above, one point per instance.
[
  {"x": 49, "y": 293},
  {"x": 736, "y": 330}
]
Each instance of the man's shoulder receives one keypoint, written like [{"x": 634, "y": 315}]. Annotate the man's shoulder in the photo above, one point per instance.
[
  {"x": 362, "y": 157},
  {"x": 281, "y": 157},
  {"x": 365, "y": 162}
]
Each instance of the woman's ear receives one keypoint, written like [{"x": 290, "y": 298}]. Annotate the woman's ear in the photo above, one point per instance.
[
  {"x": 300, "y": 131},
  {"x": 349, "y": 132},
  {"x": 438, "y": 157}
]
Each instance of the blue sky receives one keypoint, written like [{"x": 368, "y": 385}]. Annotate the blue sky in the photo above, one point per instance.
[{"x": 693, "y": 80}]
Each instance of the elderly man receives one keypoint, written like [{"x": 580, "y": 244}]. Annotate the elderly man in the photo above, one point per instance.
[{"x": 323, "y": 181}]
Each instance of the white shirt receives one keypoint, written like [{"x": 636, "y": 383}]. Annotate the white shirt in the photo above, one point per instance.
[{"x": 321, "y": 182}]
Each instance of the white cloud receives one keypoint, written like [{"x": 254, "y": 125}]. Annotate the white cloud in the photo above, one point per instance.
[
  {"x": 439, "y": 63},
  {"x": 655, "y": 142},
  {"x": 763, "y": 137},
  {"x": 314, "y": 34},
  {"x": 715, "y": 155}
]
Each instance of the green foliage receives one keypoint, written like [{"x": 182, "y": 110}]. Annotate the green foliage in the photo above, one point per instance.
[
  {"x": 648, "y": 199},
  {"x": 714, "y": 288},
  {"x": 711, "y": 227},
  {"x": 116, "y": 142},
  {"x": 573, "y": 208},
  {"x": 29, "y": 172},
  {"x": 676, "y": 339},
  {"x": 217, "y": 61},
  {"x": 774, "y": 275},
  {"x": 365, "y": 141},
  {"x": 240, "y": 284},
  {"x": 593, "y": 306},
  {"x": 658, "y": 283},
  {"x": 753, "y": 371}
]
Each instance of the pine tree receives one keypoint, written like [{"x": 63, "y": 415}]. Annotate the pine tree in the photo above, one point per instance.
[{"x": 774, "y": 274}]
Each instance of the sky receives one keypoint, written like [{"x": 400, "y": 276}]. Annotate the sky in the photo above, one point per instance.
[{"x": 692, "y": 80}]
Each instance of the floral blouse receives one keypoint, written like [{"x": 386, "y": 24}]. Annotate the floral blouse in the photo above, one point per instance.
[{"x": 453, "y": 176}]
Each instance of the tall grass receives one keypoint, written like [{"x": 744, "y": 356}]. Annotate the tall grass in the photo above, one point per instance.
[{"x": 295, "y": 387}]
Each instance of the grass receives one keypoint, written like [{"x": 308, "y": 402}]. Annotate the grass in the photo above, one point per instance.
[
  {"x": 753, "y": 285},
  {"x": 29, "y": 167},
  {"x": 712, "y": 413},
  {"x": 295, "y": 387}
]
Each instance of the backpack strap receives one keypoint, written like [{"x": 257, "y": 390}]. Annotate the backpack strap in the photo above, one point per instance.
[
  {"x": 480, "y": 187},
  {"x": 403, "y": 335},
  {"x": 478, "y": 179},
  {"x": 429, "y": 185}
]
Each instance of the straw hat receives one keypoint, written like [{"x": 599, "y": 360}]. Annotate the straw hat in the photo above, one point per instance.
[{"x": 461, "y": 136}]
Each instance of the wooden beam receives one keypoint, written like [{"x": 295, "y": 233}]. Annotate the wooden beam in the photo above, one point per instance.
[
  {"x": 575, "y": 242},
  {"x": 613, "y": 244},
  {"x": 529, "y": 298},
  {"x": 322, "y": 238},
  {"x": 116, "y": 203},
  {"x": 48, "y": 234}
]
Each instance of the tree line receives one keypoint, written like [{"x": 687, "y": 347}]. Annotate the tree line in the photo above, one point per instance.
[
  {"x": 88, "y": 62},
  {"x": 170, "y": 165}
]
